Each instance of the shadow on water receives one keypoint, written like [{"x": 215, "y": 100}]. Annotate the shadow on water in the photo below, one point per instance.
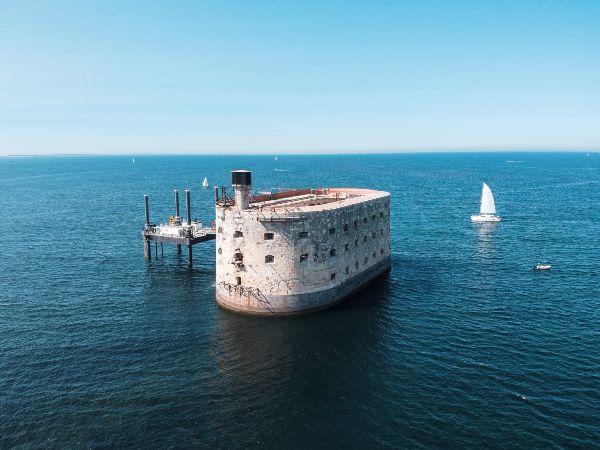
[{"x": 309, "y": 366}]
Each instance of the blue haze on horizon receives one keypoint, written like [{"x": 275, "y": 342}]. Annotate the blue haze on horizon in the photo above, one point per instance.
[{"x": 274, "y": 77}]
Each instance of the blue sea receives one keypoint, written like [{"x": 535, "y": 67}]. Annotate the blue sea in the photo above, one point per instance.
[{"x": 461, "y": 345}]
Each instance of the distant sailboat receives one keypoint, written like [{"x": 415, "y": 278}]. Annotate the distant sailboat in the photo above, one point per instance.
[
  {"x": 205, "y": 183},
  {"x": 487, "y": 212},
  {"x": 132, "y": 160}
]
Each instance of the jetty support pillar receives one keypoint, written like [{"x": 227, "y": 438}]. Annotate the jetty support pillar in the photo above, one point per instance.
[
  {"x": 147, "y": 248},
  {"x": 177, "y": 215},
  {"x": 189, "y": 222}
]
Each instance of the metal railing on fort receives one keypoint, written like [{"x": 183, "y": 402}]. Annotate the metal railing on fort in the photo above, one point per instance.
[
  {"x": 275, "y": 216},
  {"x": 249, "y": 292}
]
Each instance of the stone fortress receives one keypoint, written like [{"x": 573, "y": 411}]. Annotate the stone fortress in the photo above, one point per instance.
[{"x": 298, "y": 251}]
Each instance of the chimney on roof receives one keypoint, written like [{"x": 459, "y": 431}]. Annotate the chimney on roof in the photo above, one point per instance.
[{"x": 241, "y": 180}]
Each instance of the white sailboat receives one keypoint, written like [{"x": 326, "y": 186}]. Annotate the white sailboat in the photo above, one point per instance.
[
  {"x": 205, "y": 183},
  {"x": 487, "y": 212}
]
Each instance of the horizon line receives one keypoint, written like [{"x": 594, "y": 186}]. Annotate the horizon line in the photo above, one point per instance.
[{"x": 318, "y": 153}]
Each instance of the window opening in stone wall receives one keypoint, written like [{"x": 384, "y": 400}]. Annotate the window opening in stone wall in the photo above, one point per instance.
[
  {"x": 366, "y": 259},
  {"x": 304, "y": 257},
  {"x": 347, "y": 270},
  {"x": 345, "y": 227},
  {"x": 347, "y": 247},
  {"x": 356, "y": 264},
  {"x": 356, "y": 243},
  {"x": 332, "y": 252},
  {"x": 365, "y": 239},
  {"x": 269, "y": 258},
  {"x": 238, "y": 281},
  {"x": 220, "y": 251},
  {"x": 381, "y": 251},
  {"x": 373, "y": 217},
  {"x": 219, "y": 230},
  {"x": 269, "y": 236},
  {"x": 238, "y": 257},
  {"x": 365, "y": 220},
  {"x": 333, "y": 276},
  {"x": 237, "y": 234},
  {"x": 303, "y": 235},
  {"x": 374, "y": 234},
  {"x": 381, "y": 215},
  {"x": 332, "y": 231},
  {"x": 356, "y": 224},
  {"x": 374, "y": 255}
]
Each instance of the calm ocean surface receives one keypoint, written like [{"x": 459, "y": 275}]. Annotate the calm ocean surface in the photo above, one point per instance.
[{"x": 461, "y": 345}]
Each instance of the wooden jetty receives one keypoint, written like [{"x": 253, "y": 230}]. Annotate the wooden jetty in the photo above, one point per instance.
[{"x": 177, "y": 231}]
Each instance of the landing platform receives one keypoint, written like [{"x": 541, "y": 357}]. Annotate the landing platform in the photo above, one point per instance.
[{"x": 187, "y": 236}]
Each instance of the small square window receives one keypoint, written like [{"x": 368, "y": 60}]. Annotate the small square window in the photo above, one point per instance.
[
  {"x": 269, "y": 259},
  {"x": 303, "y": 235},
  {"x": 332, "y": 252},
  {"x": 332, "y": 231},
  {"x": 345, "y": 227},
  {"x": 269, "y": 236},
  {"x": 333, "y": 276},
  {"x": 365, "y": 220},
  {"x": 238, "y": 234}
]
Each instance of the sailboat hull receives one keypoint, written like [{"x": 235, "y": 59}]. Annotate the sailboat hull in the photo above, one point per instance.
[{"x": 485, "y": 218}]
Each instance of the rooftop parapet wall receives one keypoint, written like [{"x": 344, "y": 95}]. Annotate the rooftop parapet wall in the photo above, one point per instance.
[
  {"x": 281, "y": 195},
  {"x": 311, "y": 200}
]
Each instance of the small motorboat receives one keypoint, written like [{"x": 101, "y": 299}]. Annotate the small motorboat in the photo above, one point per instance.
[{"x": 542, "y": 266}]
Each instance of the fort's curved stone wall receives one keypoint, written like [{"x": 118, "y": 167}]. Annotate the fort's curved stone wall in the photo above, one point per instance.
[{"x": 297, "y": 257}]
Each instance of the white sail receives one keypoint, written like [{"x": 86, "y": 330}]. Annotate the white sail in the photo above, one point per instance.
[
  {"x": 205, "y": 183},
  {"x": 487, "y": 201}
]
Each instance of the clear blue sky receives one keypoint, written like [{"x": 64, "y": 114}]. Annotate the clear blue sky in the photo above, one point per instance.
[{"x": 305, "y": 76}]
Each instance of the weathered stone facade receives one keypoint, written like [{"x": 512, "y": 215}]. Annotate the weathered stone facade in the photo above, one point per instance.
[{"x": 302, "y": 252}]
